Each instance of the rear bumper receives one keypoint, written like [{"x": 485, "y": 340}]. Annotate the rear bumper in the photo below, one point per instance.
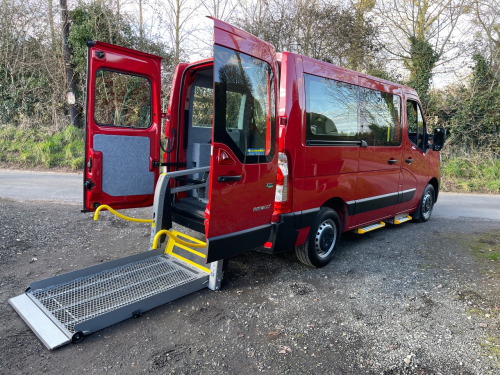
[{"x": 284, "y": 233}]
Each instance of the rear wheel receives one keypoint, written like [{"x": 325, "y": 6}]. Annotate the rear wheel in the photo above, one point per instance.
[
  {"x": 427, "y": 203},
  {"x": 322, "y": 241}
]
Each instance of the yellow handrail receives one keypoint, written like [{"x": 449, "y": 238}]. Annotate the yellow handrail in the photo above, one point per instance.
[
  {"x": 176, "y": 239},
  {"x": 104, "y": 206}
]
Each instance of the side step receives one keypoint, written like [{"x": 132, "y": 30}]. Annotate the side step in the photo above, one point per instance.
[
  {"x": 370, "y": 227},
  {"x": 64, "y": 308},
  {"x": 399, "y": 219}
]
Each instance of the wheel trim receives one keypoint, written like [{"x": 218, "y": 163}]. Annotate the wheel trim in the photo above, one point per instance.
[
  {"x": 427, "y": 205},
  {"x": 325, "y": 239}
]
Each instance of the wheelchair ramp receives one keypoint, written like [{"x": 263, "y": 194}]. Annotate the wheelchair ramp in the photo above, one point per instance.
[{"x": 67, "y": 307}]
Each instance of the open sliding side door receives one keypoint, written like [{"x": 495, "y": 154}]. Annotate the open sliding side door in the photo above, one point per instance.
[
  {"x": 123, "y": 114},
  {"x": 244, "y": 159}
]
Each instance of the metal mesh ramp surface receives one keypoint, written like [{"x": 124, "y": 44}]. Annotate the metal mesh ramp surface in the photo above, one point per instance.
[
  {"x": 91, "y": 299},
  {"x": 91, "y": 296}
]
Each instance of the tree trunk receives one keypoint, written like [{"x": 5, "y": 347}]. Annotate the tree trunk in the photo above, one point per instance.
[
  {"x": 177, "y": 33},
  {"x": 141, "y": 30},
  {"x": 67, "y": 62},
  {"x": 51, "y": 22}
]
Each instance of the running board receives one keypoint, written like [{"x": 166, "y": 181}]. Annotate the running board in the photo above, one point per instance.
[
  {"x": 64, "y": 308},
  {"x": 399, "y": 219},
  {"x": 371, "y": 227}
]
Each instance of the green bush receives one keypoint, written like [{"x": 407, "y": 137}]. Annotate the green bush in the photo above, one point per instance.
[
  {"x": 471, "y": 173},
  {"x": 42, "y": 148}
]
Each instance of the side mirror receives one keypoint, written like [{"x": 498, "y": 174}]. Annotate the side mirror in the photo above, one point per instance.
[{"x": 439, "y": 138}]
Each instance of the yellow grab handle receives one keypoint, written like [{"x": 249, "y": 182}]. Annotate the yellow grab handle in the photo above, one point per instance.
[
  {"x": 176, "y": 239},
  {"x": 104, "y": 206}
]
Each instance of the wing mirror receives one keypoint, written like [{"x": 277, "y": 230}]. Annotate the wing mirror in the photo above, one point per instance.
[{"x": 438, "y": 138}]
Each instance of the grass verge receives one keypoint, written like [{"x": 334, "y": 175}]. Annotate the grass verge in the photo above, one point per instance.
[
  {"x": 42, "y": 148},
  {"x": 473, "y": 173}
]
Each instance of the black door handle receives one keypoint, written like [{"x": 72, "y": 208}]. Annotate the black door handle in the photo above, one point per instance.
[
  {"x": 392, "y": 161},
  {"x": 409, "y": 160},
  {"x": 229, "y": 178}
]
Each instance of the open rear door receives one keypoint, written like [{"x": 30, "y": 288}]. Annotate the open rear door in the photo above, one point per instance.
[
  {"x": 244, "y": 159},
  {"x": 123, "y": 127}
]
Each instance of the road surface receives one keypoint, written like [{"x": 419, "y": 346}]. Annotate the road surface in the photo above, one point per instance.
[{"x": 41, "y": 186}]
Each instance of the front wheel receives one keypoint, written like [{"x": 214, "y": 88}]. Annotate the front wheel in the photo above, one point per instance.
[
  {"x": 322, "y": 241},
  {"x": 427, "y": 204}
]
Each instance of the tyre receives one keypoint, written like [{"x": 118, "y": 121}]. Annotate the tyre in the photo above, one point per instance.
[
  {"x": 322, "y": 241},
  {"x": 426, "y": 204}
]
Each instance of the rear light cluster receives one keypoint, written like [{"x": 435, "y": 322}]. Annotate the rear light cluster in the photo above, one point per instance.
[{"x": 282, "y": 200}]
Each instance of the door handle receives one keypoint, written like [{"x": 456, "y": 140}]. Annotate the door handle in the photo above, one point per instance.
[
  {"x": 229, "y": 178},
  {"x": 409, "y": 160},
  {"x": 392, "y": 161}
]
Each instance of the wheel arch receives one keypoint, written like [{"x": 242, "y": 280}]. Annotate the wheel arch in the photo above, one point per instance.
[
  {"x": 435, "y": 184},
  {"x": 337, "y": 204}
]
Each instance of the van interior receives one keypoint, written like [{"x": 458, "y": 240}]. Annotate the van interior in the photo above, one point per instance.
[{"x": 194, "y": 139}]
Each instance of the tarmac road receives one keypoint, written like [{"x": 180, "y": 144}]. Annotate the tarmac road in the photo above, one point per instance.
[
  {"x": 67, "y": 188},
  {"x": 41, "y": 186}
]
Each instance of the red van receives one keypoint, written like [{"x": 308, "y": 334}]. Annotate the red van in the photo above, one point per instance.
[{"x": 264, "y": 150}]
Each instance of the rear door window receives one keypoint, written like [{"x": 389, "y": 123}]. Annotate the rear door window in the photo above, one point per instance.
[{"x": 122, "y": 100}]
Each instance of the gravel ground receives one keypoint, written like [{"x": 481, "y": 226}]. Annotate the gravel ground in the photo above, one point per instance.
[{"x": 409, "y": 299}]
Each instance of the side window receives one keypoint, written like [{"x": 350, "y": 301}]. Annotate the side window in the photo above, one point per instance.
[
  {"x": 331, "y": 110},
  {"x": 202, "y": 107},
  {"x": 339, "y": 112},
  {"x": 416, "y": 125},
  {"x": 122, "y": 100},
  {"x": 244, "y": 105},
  {"x": 380, "y": 118}
]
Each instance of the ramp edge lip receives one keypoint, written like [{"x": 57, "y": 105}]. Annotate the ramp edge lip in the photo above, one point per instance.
[{"x": 44, "y": 328}]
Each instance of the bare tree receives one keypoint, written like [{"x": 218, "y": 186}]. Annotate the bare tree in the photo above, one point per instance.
[
  {"x": 141, "y": 22},
  {"x": 178, "y": 14},
  {"x": 221, "y": 9},
  {"x": 273, "y": 21},
  {"x": 319, "y": 29},
  {"x": 50, "y": 16},
  {"x": 67, "y": 63},
  {"x": 30, "y": 67},
  {"x": 432, "y": 21},
  {"x": 423, "y": 35},
  {"x": 486, "y": 16},
  {"x": 357, "y": 55}
]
